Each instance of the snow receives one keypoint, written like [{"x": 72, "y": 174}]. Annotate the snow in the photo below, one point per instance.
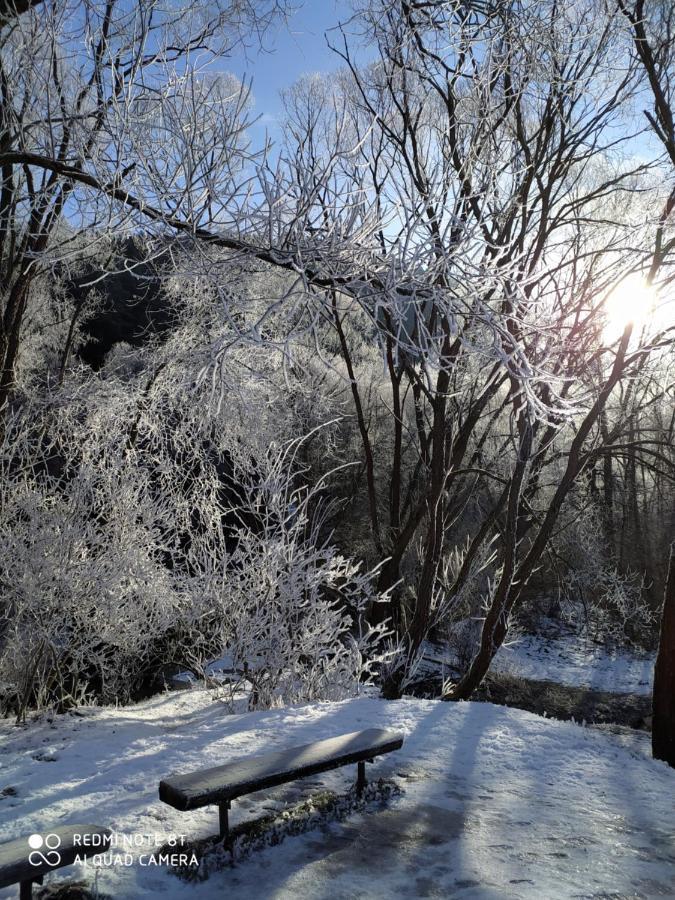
[
  {"x": 574, "y": 660},
  {"x": 496, "y": 803}
]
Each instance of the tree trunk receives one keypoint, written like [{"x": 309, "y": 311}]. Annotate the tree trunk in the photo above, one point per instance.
[
  {"x": 663, "y": 703},
  {"x": 506, "y": 592},
  {"x": 10, "y": 330}
]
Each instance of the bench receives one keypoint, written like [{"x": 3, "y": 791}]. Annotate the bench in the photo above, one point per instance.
[
  {"x": 222, "y": 784},
  {"x": 28, "y": 859}
]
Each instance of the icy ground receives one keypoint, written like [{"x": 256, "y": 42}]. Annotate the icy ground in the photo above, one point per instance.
[
  {"x": 497, "y": 802},
  {"x": 575, "y": 660}
]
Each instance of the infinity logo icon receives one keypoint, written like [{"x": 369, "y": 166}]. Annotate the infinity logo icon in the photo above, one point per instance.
[{"x": 50, "y": 843}]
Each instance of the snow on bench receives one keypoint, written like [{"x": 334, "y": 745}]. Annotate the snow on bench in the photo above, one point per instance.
[
  {"x": 222, "y": 784},
  {"x": 28, "y": 859}
]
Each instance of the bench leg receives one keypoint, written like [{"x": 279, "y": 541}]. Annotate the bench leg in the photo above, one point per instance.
[
  {"x": 223, "y": 819},
  {"x": 26, "y": 887},
  {"x": 361, "y": 778}
]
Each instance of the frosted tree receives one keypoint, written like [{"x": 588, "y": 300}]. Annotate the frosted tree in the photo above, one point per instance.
[
  {"x": 651, "y": 29},
  {"x": 105, "y": 99},
  {"x": 467, "y": 203},
  {"x": 465, "y": 194}
]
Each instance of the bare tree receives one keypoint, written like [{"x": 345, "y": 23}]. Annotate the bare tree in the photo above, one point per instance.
[
  {"x": 467, "y": 192},
  {"x": 466, "y": 202},
  {"x": 652, "y": 29},
  {"x": 102, "y": 99}
]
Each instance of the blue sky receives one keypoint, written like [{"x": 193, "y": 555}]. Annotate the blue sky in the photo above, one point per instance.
[{"x": 289, "y": 51}]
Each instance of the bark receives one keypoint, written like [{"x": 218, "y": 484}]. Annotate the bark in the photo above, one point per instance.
[
  {"x": 663, "y": 702},
  {"x": 496, "y": 622},
  {"x": 514, "y": 577},
  {"x": 10, "y": 330},
  {"x": 608, "y": 484},
  {"x": 363, "y": 427}
]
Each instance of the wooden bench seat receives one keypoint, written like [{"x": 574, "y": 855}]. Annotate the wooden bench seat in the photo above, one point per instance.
[
  {"x": 222, "y": 784},
  {"x": 27, "y": 860}
]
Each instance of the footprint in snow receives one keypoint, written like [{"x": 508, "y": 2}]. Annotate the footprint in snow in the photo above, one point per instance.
[{"x": 46, "y": 756}]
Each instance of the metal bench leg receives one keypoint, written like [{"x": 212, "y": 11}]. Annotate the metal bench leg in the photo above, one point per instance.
[
  {"x": 26, "y": 887},
  {"x": 224, "y": 820},
  {"x": 361, "y": 778}
]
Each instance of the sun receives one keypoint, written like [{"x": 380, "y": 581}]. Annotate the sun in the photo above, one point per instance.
[{"x": 633, "y": 300}]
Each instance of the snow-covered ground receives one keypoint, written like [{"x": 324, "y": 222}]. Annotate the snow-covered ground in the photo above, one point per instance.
[
  {"x": 496, "y": 803},
  {"x": 571, "y": 659}
]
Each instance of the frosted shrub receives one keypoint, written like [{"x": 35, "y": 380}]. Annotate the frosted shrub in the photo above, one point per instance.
[
  {"x": 149, "y": 522},
  {"x": 461, "y": 612},
  {"x": 595, "y": 598},
  {"x": 291, "y": 607},
  {"x": 137, "y": 533},
  {"x": 609, "y": 608},
  {"x": 457, "y": 611},
  {"x": 85, "y": 593}
]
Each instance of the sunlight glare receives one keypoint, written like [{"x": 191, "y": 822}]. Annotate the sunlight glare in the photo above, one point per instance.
[{"x": 632, "y": 300}]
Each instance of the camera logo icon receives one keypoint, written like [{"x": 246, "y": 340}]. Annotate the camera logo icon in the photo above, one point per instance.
[{"x": 44, "y": 850}]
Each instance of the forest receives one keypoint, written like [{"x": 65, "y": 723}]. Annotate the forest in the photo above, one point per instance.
[{"x": 377, "y": 403}]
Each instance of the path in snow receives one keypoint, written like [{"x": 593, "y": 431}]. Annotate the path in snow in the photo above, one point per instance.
[{"x": 497, "y": 803}]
